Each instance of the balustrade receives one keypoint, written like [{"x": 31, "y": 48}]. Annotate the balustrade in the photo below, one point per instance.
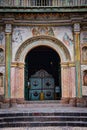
[{"x": 50, "y": 3}]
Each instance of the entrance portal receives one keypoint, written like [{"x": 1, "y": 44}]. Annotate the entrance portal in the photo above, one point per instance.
[{"x": 44, "y": 59}]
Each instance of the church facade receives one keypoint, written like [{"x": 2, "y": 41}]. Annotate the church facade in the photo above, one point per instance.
[{"x": 43, "y": 49}]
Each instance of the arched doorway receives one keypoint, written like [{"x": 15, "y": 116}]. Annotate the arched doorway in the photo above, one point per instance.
[
  {"x": 43, "y": 58},
  {"x": 46, "y": 41}
]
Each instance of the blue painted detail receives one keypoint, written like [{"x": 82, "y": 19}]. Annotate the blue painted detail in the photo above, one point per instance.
[
  {"x": 35, "y": 83},
  {"x": 41, "y": 84}
]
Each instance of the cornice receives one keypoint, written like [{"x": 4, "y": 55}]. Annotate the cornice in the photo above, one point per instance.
[{"x": 42, "y": 19}]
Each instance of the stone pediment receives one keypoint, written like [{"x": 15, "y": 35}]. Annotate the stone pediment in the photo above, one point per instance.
[{"x": 41, "y": 73}]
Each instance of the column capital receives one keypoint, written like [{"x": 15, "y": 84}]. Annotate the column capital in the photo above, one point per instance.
[
  {"x": 77, "y": 27},
  {"x": 67, "y": 64},
  {"x": 17, "y": 64},
  {"x": 8, "y": 28}
]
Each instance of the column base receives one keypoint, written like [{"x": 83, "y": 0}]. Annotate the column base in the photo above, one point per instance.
[
  {"x": 81, "y": 102},
  {"x": 20, "y": 101},
  {"x": 72, "y": 102},
  {"x": 64, "y": 101}
]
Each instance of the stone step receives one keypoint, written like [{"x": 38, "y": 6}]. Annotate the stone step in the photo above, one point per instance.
[
  {"x": 43, "y": 119},
  {"x": 42, "y": 124},
  {"x": 43, "y": 102},
  {"x": 16, "y": 114}
]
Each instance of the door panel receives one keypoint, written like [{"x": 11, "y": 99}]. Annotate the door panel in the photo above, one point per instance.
[
  {"x": 49, "y": 94},
  {"x": 41, "y": 82},
  {"x": 35, "y": 83},
  {"x": 48, "y": 83},
  {"x": 34, "y": 94}
]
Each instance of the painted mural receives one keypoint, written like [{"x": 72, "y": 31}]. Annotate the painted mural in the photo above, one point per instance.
[
  {"x": 83, "y": 37},
  {"x": 1, "y": 56},
  {"x": 2, "y": 71},
  {"x": 1, "y": 80},
  {"x": 85, "y": 78},
  {"x": 67, "y": 40},
  {"x": 36, "y": 31},
  {"x": 2, "y": 36},
  {"x": 22, "y": 33},
  {"x": 84, "y": 54}
]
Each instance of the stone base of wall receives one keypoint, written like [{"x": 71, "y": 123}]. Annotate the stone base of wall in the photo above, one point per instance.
[
  {"x": 73, "y": 102},
  {"x": 77, "y": 102},
  {"x": 81, "y": 102},
  {"x": 64, "y": 100}
]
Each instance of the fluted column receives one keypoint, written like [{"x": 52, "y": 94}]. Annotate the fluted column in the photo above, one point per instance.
[
  {"x": 8, "y": 29},
  {"x": 77, "y": 60}
]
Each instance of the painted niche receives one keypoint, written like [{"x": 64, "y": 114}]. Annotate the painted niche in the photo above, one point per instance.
[
  {"x": 83, "y": 37},
  {"x": 84, "y": 54},
  {"x": 2, "y": 36},
  {"x": 85, "y": 78},
  {"x": 36, "y": 31},
  {"x": 1, "y": 56},
  {"x": 1, "y": 80}
]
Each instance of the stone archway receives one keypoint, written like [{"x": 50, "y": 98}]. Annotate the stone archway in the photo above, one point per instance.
[
  {"x": 51, "y": 42},
  {"x": 47, "y": 41}
]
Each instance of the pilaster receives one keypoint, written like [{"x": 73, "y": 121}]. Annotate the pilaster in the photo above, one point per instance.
[
  {"x": 68, "y": 79},
  {"x": 77, "y": 60},
  {"x": 8, "y": 30}
]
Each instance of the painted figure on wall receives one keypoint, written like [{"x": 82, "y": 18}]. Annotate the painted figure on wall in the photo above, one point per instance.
[
  {"x": 1, "y": 56},
  {"x": 67, "y": 40},
  {"x": 85, "y": 78},
  {"x": 17, "y": 37},
  {"x": 1, "y": 38},
  {"x": 42, "y": 31},
  {"x": 35, "y": 32},
  {"x": 84, "y": 54}
]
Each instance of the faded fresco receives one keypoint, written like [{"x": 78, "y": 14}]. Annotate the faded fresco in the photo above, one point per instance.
[
  {"x": 21, "y": 34},
  {"x": 37, "y": 31},
  {"x": 84, "y": 79},
  {"x": 2, "y": 71},
  {"x": 1, "y": 56},
  {"x": 83, "y": 37},
  {"x": 84, "y": 54},
  {"x": 2, "y": 36}
]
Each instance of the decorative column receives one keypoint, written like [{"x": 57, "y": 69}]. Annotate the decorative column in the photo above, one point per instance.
[
  {"x": 77, "y": 60},
  {"x": 8, "y": 29}
]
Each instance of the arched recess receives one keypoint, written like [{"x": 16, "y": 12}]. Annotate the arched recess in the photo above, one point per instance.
[
  {"x": 1, "y": 84},
  {"x": 32, "y": 43},
  {"x": 51, "y": 42},
  {"x": 84, "y": 54},
  {"x": 1, "y": 55}
]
